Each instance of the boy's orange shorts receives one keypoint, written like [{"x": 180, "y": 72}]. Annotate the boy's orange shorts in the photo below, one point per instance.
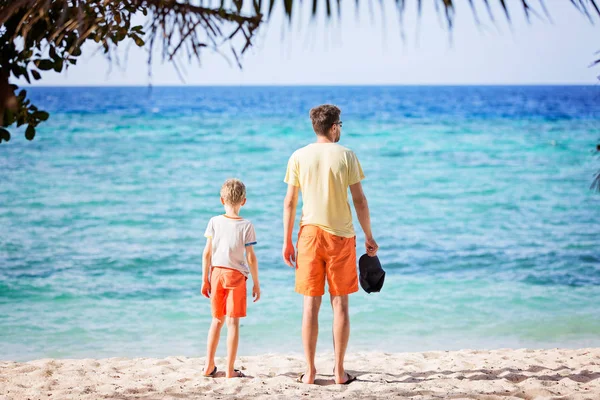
[
  {"x": 227, "y": 293},
  {"x": 323, "y": 255}
]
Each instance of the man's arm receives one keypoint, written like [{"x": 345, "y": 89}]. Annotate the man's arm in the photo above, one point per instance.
[
  {"x": 253, "y": 264},
  {"x": 206, "y": 261},
  {"x": 289, "y": 215},
  {"x": 362, "y": 212}
]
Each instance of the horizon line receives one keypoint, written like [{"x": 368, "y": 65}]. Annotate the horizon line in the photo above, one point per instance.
[{"x": 316, "y": 85}]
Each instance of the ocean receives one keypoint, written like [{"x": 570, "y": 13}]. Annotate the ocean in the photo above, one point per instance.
[{"x": 479, "y": 200}]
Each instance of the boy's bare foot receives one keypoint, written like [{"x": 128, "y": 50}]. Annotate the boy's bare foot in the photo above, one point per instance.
[
  {"x": 212, "y": 370},
  {"x": 307, "y": 378},
  {"x": 344, "y": 379},
  {"x": 236, "y": 374}
]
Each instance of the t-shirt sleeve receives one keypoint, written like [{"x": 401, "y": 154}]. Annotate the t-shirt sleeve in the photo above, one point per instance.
[
  {"x": 250, "y": 239},
  {"x": 355, "y": 172},
  {"x": 292, "y": 173},
  {"x": 210, "y": 231}
]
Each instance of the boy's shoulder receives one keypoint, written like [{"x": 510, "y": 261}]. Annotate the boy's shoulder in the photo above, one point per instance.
[{"x": 246, "y": 221}]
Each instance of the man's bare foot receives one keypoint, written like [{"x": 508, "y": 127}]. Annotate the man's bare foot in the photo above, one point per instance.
[
  {"x": 210, "y": 370},
  {"x": 236, "y": 373}
]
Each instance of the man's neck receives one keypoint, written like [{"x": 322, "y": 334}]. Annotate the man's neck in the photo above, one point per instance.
[{"x": 324, "y": 139}]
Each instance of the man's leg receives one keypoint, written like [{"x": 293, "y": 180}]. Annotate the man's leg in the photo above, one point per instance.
[
  {"x": 341, "y": 334},
  {"x": 310, "y": 333},
  {"x": 211, "y": 344},
  {"x": 233, "y": 337}
]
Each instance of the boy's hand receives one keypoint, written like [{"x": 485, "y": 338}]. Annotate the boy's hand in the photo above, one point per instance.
[
  {"x": 289, "y": 254},
  {"x": 206, "y": 289},
  {"x": 256, "y": 292}
]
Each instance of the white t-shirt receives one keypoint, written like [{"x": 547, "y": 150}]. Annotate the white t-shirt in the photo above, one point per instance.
[{"x": 230, "y": 236}]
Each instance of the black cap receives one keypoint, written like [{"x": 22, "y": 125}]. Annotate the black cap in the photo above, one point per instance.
[{"x": 371, "y": 273}]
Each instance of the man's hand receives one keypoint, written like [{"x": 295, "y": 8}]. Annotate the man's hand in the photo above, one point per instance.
[
  {"x": 371, "y": 246},
  {"x": 256, "y": 292},
  {"x": 289, "y": 254},
  {"x": 206, "y": 289}
]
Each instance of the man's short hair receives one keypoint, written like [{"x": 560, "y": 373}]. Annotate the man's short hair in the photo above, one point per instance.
[
  {"x": 323, "y": 117},
  {"x": 233, "y": 192}
]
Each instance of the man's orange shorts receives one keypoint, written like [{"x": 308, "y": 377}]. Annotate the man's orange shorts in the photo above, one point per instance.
[
  {"x": 227, "y": 293},
  {"x": 323, "y": 255}
]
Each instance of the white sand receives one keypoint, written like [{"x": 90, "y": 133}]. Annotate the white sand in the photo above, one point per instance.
[{"x": 466, "y": 374}]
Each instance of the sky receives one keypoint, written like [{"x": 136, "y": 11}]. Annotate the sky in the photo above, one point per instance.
[{"x": 363, "y": 48}]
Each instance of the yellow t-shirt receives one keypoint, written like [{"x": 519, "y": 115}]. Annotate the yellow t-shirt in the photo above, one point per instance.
[{"x": 324, "y": 171}]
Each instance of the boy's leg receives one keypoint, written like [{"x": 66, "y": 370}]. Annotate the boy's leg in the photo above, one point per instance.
[
  {"x": 218, "y": 298},
  {"x": 236, "y": 309},
  {"x": 233, "y": 338},
  {"x": 310, "y": 333},
  {"x": 211, "y": 344}
]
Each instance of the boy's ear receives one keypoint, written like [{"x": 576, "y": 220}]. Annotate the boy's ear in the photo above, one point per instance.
[
  {"x": 222, "y": 201},
  {"x": 244, "y": 201}
]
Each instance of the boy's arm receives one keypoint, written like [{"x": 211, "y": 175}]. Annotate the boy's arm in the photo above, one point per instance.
[
  {"x": 206, "y": 261},
  {"x": 253, "y": 264},
  {"x": 289, "y": 215},
  {"x": 362, "y": 212}
]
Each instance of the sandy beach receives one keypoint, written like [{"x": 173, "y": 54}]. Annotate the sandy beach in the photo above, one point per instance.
[{"x": 466, "y": 374}]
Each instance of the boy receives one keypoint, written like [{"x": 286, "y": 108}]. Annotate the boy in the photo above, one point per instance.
[{"x": 228, "y": 237}]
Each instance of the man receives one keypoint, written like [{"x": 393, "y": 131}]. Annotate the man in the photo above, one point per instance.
[{"x": 326, "y": 245}]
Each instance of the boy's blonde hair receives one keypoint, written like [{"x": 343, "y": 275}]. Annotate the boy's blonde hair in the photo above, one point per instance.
[{"x": 233, "y": 192}]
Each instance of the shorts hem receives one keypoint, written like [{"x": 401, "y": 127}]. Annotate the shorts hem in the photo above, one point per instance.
[
  {"x": 344, "y": 292},
  {"x": 312, "y": 293},
  {"x": 229, "y": 315}
]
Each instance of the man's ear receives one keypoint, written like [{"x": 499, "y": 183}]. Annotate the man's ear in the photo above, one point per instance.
[{"x": 332, "y": 132}]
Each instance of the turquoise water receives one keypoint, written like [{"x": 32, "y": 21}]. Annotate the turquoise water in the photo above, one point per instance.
[{"x": 479, "y": 201}]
